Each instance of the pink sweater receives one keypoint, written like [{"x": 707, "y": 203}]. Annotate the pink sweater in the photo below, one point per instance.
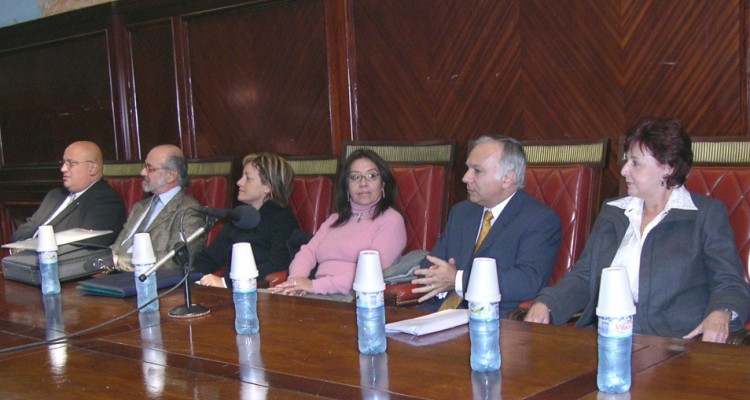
[{"x": 336, "y": 250}]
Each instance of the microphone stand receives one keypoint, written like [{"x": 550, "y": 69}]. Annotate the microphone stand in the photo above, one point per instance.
[{"x": 181, "y": 256}]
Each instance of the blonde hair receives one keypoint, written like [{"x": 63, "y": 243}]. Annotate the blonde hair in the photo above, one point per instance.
[{"x": 275, "y": 172}]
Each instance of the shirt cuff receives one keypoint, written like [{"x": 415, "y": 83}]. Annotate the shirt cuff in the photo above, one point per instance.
[{"x": 459, "y": 283}]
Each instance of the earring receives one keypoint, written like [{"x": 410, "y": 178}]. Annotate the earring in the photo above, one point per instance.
[
  {"x": 348, "y": 197},
  {"x": 382, "y": 192},
  {"x": 663, "y": 183}
]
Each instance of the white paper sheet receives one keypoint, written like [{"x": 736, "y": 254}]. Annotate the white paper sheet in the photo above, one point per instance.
[
  {"x": 64, "y": 237},
  {"x": 435, "y": 322}
]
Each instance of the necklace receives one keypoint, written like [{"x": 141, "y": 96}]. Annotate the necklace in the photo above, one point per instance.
[{"x": 361, "y": 214}]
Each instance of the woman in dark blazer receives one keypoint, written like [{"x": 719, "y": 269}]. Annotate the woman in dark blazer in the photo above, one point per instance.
[
  {"x": 677, "y": 246},
  {"x": 266, "y": 184}
]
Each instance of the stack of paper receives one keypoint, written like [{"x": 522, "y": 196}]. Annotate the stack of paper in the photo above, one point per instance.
[{"x": 435, "y": 322}]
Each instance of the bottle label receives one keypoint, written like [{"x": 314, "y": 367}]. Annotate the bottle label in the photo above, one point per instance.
[
  {"x": 48, "y": 257},
  {"x": 370, "y": 299},
  {"x": 616, "y": 327},
  {"x": 139, "y": 269},
  {"x": 245, "y": 285},
  {"x": 484, "y": 311}
]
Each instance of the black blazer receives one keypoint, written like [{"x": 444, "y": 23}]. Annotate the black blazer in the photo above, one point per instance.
[
  {"x": 268, "y": 241},
  {"x": 99, "y": 208}
]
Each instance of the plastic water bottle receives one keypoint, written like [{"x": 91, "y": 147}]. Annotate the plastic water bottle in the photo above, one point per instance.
[
  {"x": 145, "y": 290},
  {"x": 615, "y": 344},
  {"x": 484, "y": 333},
  {"x": 245, "y": 294},
  {"x": 371, "y": 322},
  {"x": 49, "y": 271}
]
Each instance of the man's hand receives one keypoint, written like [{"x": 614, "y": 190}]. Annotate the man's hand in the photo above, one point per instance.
[
  {"x": 715, "y": 328},
  {"x": 439, "y": 277},
  {"x": 538, "y": 312}
]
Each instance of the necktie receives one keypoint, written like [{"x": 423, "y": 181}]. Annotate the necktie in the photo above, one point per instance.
[
  {"x": 453, "y": 299},
  {"x": 68, "y": 201},
  {"x": 147, "y": 214},
  {"x": 143, "y": 224}
]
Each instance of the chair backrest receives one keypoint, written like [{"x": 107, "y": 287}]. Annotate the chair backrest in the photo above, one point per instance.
[
  {"x": 721, "y": 169},
  {"x": 311, "y": 200},
  {"x": 210, "y": 184},
  {"x": 423, "y": 172},
  {"x": 566, "y": 176}
]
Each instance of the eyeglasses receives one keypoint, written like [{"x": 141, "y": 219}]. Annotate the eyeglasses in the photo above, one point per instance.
[
  {"x": 70, "y": 163},
  {"x": 150, "y": 168},
  {"x": 369, "y": 176}
]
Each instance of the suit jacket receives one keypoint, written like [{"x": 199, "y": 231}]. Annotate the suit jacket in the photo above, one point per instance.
[
  {"x": 164, "y": 229},
  {"x": 268, "y": 239},
  {"x": 523, "y": 241},
  {"x": 99, "y": 208},
  {"x": 689, "y": 267}
]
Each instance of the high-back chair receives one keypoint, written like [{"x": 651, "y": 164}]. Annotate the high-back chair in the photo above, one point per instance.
[
  {"x": 423, "y": 173},
  {"x": 311, "y": 201},
  {"x": 566, "y": 176}
]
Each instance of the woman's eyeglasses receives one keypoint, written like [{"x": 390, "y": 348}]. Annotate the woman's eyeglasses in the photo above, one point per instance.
[{"x": 369, "y": 176}]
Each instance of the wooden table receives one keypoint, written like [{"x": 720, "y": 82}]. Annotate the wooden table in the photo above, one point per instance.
[{"x": 307, "y": 348}]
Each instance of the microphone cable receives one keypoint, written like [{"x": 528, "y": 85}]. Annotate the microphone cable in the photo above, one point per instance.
[{"x": 47, "y": 342}]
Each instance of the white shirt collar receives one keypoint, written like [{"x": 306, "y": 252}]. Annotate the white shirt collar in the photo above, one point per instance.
[{"x": 678, "y": 199}]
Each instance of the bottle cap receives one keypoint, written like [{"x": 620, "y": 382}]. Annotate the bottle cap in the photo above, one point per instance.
[
  {"x": 243, "y": 262},
  {"x": 143, "y": 251},
  {"x": 483, "y": 284},
  {"x": 369, "y": 275},
  {"x": 46, "y": 239},
  {"x": 615, "y": 297}
]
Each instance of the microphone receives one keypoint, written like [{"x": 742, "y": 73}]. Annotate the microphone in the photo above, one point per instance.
[{"x": 243, "y": 217}]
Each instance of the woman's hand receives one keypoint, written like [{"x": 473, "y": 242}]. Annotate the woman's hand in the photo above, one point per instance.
[
  {"x": 538, "y": 312},
  {"x": 212, "y": 280},
  {"x": 294, "y": 286},
  {"x": 715, "y": 328}
]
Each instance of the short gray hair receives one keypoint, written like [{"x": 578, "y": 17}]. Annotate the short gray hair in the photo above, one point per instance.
[
  {"x": 512, "y": 159},
  {"x": 178, "y": 163}
]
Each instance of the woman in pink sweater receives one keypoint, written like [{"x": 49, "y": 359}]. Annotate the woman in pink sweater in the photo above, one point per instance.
[{"x": 365, "y": 220}]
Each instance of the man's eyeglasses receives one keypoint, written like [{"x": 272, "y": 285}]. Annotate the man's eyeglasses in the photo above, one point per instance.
[
  {"x": 369, "y": 176},
  {"x": 150, "y": 168},
  {"x": 70, "y": 163}
]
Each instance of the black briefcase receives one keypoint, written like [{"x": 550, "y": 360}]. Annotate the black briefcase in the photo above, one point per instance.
[{"x": 73, "y": 262}]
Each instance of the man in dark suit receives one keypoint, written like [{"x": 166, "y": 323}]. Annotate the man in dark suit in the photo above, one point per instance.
[
  {"x": 165, "y": 175},
  {"x": 523, "y": 238},
  {"x": 84, "y": 201}
]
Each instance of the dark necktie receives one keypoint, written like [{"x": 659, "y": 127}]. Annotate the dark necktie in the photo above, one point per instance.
[
  {"x": 143, "y": 224},
  {"x": 453, "y": 299}
]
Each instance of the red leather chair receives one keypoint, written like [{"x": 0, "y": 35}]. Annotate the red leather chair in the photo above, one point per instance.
[
  {"x": 566, "y": 176},
  {"x": 423, "y": 172},
  {"x": 721, "y": 169},
  {"x": 311, "y": 200}
]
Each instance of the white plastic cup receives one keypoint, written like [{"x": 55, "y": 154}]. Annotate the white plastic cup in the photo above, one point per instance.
[
  {"x": 243, "y": 262},
  {"x": 615, "y": 297},
  {"x": 143, "y": 250},
  {"x": 46, "y": 239},
  {"x": 369, "y": 275},
  {"x": 483, "y": 284}
]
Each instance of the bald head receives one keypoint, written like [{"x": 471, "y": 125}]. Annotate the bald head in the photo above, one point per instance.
[
  {"x": 82, "y": 165},
  {"x": 164, "y": 168}
]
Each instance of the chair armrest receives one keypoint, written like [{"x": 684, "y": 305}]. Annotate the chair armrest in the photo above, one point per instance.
[
  {"x": 400, "y": 295},
  {"x": 740, "y": 338}
]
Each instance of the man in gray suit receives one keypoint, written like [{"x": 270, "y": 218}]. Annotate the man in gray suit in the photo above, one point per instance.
[{"x": 164, "y": 175}]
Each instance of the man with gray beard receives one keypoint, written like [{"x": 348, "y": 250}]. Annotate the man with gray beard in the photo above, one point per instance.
[{"x": 164, "y": 175}]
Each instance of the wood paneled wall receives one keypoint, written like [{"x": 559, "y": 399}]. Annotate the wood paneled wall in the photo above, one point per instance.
[{"x": 230, "y": 77}]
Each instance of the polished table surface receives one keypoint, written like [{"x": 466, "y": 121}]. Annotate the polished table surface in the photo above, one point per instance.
[{"x": 307, "y": 348}]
